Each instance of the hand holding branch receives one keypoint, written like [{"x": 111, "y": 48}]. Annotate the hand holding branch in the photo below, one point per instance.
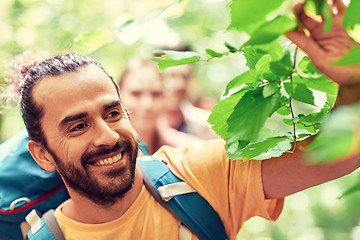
[{"x": 324, "y": 48}]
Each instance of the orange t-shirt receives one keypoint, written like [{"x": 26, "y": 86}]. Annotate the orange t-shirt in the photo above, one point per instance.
[{"x": 233, "y": 188}]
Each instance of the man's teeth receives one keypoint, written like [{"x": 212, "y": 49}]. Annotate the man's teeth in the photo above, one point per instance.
[{"x": 108, "y": 161}]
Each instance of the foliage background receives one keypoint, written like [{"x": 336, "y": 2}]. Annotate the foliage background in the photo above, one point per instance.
[{"x": 98, "y": 28}]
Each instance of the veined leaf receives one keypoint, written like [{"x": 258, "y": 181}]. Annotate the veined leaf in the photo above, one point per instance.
[
  {"x": 252, "y": 55},
  {"x": 274, "y": 49},
  {"x": 249, "y": 15},
  {"x": 256, "y": 149},
  {"x": 352, "y": 57},
  {"x": 271, "y": 30},
  {"x": 250, "y": 114},
  {"x": 263, "y": 65},
  {"x": 306, "y": 66},
  {"x": 282, "y": 67},
  {"x": 222, "y": 111},
  {"x": 271, "y": 88},
  {"x": 310, "y": 122},
  {"x": 174, "y": 58},
  {"x": 299, "y": 92},
  {"x": 322, "y": 83},
  {"x": 246, "y": 77},
  {"x": 284, "y": 111}
]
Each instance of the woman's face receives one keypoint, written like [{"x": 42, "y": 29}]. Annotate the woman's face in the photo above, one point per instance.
[{"x": 142, "y": 95}]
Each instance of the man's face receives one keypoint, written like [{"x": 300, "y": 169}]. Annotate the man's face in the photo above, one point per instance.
[{"x": 88, "y": 133}]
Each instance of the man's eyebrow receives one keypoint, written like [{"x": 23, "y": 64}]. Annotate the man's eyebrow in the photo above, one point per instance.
[
  {"x": 72, "y": 118},
  {"x": 112, "y": 104}
]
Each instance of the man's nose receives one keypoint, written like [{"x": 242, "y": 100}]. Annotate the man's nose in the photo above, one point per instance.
[{"x": 105, "y": 135}]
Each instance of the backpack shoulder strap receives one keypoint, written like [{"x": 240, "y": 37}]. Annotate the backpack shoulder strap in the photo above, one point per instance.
[
  {"x": 181, "y": 200},
  {"x": 44, "y": 226}
]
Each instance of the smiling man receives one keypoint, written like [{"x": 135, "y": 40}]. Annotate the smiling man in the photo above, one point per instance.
[
  {"x": 85, "y": 129},
  {"x": 85, "y": 132},
  {"x": 78, "y": 126}
]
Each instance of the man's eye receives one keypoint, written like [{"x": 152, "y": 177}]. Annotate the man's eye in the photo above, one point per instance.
[
  {"x": 78, "y": 127},
  {"x": 113, "y": 114}
]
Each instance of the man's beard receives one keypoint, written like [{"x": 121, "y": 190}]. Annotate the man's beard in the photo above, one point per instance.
[{"x": 81, "y": 180}]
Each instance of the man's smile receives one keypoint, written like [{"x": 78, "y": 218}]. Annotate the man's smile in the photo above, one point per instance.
[{"x": 107, "y": 161}]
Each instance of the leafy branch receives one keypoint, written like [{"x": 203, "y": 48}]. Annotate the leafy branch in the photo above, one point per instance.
[{"x": 281, "y": 98}]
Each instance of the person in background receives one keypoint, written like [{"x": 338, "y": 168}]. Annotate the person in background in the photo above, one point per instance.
[
  {"x": 179, "y": 93},
  {"x": 141, "y": 90}
]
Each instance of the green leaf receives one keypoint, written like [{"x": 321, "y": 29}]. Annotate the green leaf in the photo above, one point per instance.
[
  {"x": 322, "y": 83},
  {"x": 319, "y": 6},
  {"x": 249, "y": 76},
  {"x": 252, "y": 55},
  {"x": 271, "y": 30},
  {"x": 284, "y": 111},
  {"x": 213, "y": 54},
  {"x": 174, "y": 58},
  {"x": 306, "y": 66},
  {"x": 338, "y": 135},
  {"x": 91, "y": 40},
  {"x": 250, "y": 114},
  {"x": 233, "y": 149},
  {"x": 263, "y": 65},
  {"x": 247, "y": 16},
  {"x": 282, "y": 67},
  {"x": 231, "y": 47},
  {"x": 312, "y": 121},
  {"x": 323, "y": 9},
  {"x": 256, "y": 149},
  {"x": 222, "y": 111},
  {"x": 352, "y": 57},
  {"x": 328, "y": 21},
  {"x": 299, "y": 92},
  {"x": 271, "y": 88},
  {"x": 274, "y": 49},
  {"x": 352, "y": 16}
]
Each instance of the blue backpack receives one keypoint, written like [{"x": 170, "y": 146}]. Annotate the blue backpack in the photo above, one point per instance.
[{"x": 26, "y": 187}]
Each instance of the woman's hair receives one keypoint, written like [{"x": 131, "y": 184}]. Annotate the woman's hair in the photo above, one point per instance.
[
  {"x": 136, "y": 64},
  {"x": 55, "y": 66}
]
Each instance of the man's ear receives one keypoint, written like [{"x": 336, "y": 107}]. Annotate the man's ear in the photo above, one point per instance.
[{"x": 41, "y": 156}]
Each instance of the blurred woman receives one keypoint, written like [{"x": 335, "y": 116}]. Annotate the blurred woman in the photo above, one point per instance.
[{"x": 141, "y": 90}]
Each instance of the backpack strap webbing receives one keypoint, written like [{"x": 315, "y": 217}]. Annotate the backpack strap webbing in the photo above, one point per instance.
[
  {"x": 44, "y": 226},
  {"x": 187, "y": 206}
]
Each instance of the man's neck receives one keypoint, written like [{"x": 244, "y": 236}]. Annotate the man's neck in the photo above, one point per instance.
[{"x": 84, "y": 210}]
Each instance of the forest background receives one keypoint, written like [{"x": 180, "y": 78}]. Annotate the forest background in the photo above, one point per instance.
[{"x": 112, "y": 31}]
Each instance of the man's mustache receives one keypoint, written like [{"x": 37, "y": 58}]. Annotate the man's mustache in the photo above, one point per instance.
[{"x": 104, "y": 151}]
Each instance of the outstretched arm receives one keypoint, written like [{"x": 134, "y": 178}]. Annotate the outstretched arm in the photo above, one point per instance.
[{"x": 289, "y": 174}]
